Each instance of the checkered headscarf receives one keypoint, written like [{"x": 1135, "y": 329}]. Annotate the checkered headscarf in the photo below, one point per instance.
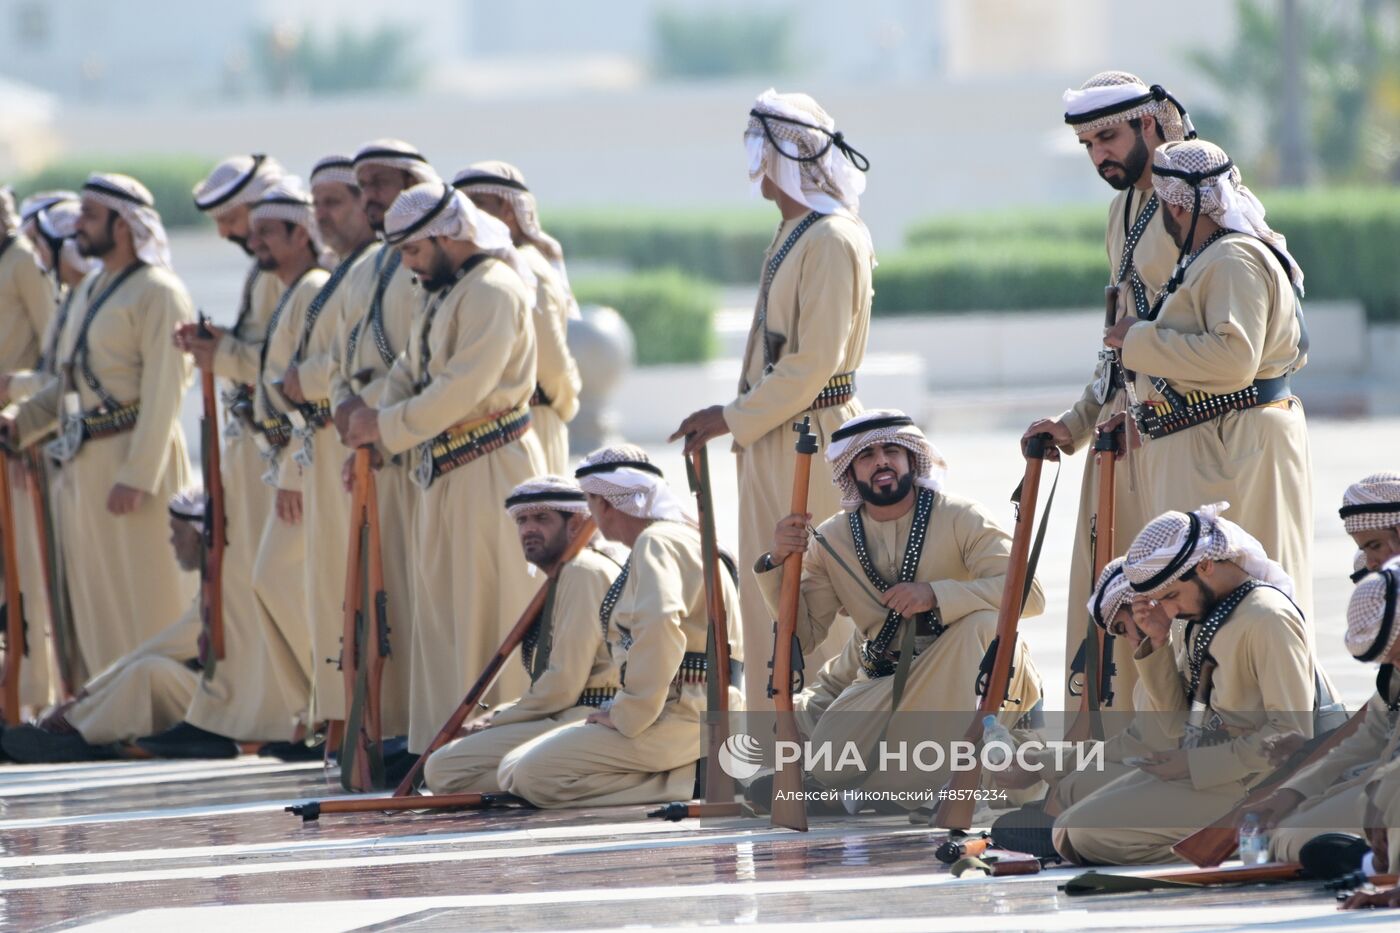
[
  {"x": 1372, "y": 503},
  {"x": 52, "y": 216},
  {"x": 438, "y": 209},
  {"x": 1371, "y": 628},
  {"x": 395, "y": 153},
  {"x": 1111, "y": 97},
  {"x": 189, "y": 505},
  {"x": 625, "y": 476},
  {"x": 1174, "y": 543},
  {"x": 1110, "y": 593},
  {"x": 881, "y": 426},
  {"x": 236, "y": 181},
  {"x": 9, "y": 217},
  {"x": 337, "y": 169},
  {"x": 1199, "y": 175},
  {"x": 134, "y": 203},
  {"x": 546, "y": 494}
]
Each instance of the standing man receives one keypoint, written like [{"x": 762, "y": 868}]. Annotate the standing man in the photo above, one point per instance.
[
  {"x": 1213, "y": 356},
  {"x": 457, "y": 405},
  {"x": 342, "y": 222},
  {"x": 498, "y": 188},
  {"x": 1120, "y": 122},
  {"x": 373, "y": 328},
  {"x": 116, "y": 402},
  {"x": 807, "y": 340}
]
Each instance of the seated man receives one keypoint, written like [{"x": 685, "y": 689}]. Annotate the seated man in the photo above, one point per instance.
[
  {"x": 1371, "y": 513},
  {"x": 565, "y": 654},
  {"x": 920, "y": 571},
  {"x": 1110, "y": 606},
  {"x": 1243, "y": 669},
  {"x": 643, "y": 746},
  {"x": 143, "y": 692}
]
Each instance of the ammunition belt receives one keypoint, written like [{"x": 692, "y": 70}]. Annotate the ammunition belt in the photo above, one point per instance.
[
  {"x": 312, "y": 415},
  {"x": 838, "y": 391},
  {"x": 1175, "y": 412},
  {"x": 99, "y": 424},
  {"x": 596, "y": 696},
  {"x": 694, "y": 669},
  {"x": 458, "y": 446},
  {"x": 540, "y": 397},
  {"x": 273, "y": 433}
]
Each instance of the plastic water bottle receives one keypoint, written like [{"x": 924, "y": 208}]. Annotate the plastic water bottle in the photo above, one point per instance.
[
  {"x": 994, "y": 731},
  {"x": 1254, "y": 841}
]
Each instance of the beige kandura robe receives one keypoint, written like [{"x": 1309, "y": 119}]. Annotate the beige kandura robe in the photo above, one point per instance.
[
  {"x": 358, "y": 365},
  {"x": 964, "y": 559},
  {"x": 1153, "y": 260},
  {"x": 472, "y": 580},
  {"x": 26, "y": 312},
  {"x": 1231, "y": 322},
  {"x": 650, "y": 757},
  {"x": 123, "y": 579},
  {"x": 144, "y": 692},
  {"x": 578, "y": 659},
  {"x": 555, "y": 371},
  {"x": 258, "y": 689},
  {"x": 1385, "y": 791},
  {"x": 1334, "y": 788},
  {"x": 1263, "y": 686},
  {"x": 819, "y": 302}
]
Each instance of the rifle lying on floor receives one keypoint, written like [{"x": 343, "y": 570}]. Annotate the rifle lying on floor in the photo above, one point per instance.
[
  {"x": 471, "y": 702},
  {"x": 1096, "y": 651},
  {"x": 955, "y": 810},
  {"x": 211, "y": 562},
  {"x": 364, "y": 643},
  {"x": 310, "y": 812},
  {"x": 16, "y": 644},
  {"x": 1093, "y": 882},
  {"x": 1215, "y": 843}
]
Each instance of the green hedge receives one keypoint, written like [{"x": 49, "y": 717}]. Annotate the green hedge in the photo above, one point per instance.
[
  {"x": 671, "y": 314},
  {"x": 170, "y": 179},
  {"x": 724, "y": 246},
  {"x": 1345, "y": 240}
]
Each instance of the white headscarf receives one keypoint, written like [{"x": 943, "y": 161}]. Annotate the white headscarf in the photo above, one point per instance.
[
  {"x": 130, "y": 199},
  {"x": 395, "y": 153},
  {"x": 1371, "y": 622},
  {"x": 1372, "y": 503},
  {"x": 547, "y": 494},
  {"x": 1111, "y": 97},
  {"x": 626, "y": 477},
  {"x": 288, "y": 199},
  {"x": 236, "y": 181},
  {"x": 334, "y": 169},
  {"x": 52, "y": 216},
  {"x": 1198, "y": 175},
  {"x": 881, "y": 426},
  {"x": 1174, "y": 543},
  {"x": 9, "y": 217},
  {"x": 438, "y": 209},
  {"x": 189, "y": 505},
  {"x": 1111, "y": 592}
]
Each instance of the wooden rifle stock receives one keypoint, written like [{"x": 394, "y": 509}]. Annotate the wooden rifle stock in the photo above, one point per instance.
[
  {"x": 955, "y": 811},
  {"x": 215, "y": 535},
  {"x": 1087, "y": 723},
  {"x": 719, "y": 787},
  {"x": 364, "y": 638},
  {"x": 60, "y": 625},
  {"x": 1215, "y": 843},
  {"x": 493, "y": 667},
  {"x": 14, "y": 599},
  {"x": 1093, "y": 882},
  {"x": 787, "y": 808}
]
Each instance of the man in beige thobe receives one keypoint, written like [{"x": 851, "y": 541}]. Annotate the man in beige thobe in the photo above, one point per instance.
[
  {"x": 1119, "y": 121},
  {"x": 807, "y": 340},
  {"x": 456, "y": 406},
  {"x": 341, "y": 220},
  {"x": 116, "y": 402},
  {"x": 498, "y": 188},
  {"x": 143, "y": 692},
  {"x": 644, "y": 745},
  {"x": 373, "y": 327},
  {"x": 918, "y": 569},
  {"x": 1244, "y": 673},
  {"x": 247, "y": 694},
  {"x": 1213, "y": 358},
  {"x": 566, "y": 654}
]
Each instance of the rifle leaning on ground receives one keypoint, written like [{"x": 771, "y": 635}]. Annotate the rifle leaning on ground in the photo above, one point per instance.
[
  {"x": 16, "y": 645},
  {"x": 211, "y": 563},
  {"x": 65, "y": 642},
  {"x": 1097, "y": 648},
  {"x": 1214, "y": 844},
  {"x": 955, "y": 810},
  {"x": 719, "y": 787},
  {"x": 471, "y": 702},
  {"x": 364, "y": 642},
  {"x": 788, "y": 808}
]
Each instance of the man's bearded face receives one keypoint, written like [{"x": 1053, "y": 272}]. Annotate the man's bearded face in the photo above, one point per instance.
[
  {"x": 883, "y": 474},
  {"x": 1119, "y": 152}
]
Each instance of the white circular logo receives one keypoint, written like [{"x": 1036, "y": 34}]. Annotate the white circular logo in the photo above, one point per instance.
[{"x": 740, "y": 756}]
